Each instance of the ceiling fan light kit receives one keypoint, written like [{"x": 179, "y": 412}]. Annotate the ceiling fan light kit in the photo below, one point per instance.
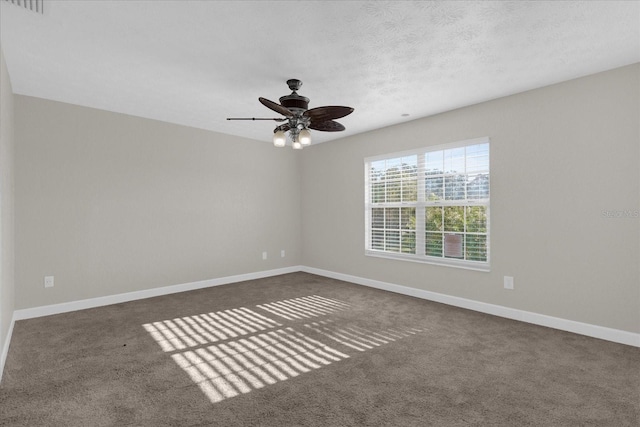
[
  {"x": 279, "y": 138},
  {"x": 299, "y": 119},
  {"x": 304, "y": 137}
]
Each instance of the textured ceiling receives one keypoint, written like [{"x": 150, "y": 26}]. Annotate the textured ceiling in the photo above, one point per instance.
[{"x": 197, "y": 62}]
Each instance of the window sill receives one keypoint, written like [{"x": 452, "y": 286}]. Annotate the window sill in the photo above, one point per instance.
[{"x": 455, "y": 263}]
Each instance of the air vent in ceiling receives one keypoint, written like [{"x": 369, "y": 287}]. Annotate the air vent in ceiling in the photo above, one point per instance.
[{"x": 32, "y": 5}]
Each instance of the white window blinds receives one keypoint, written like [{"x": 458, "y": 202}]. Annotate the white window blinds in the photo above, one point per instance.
[{"x": 430, "y": 205}]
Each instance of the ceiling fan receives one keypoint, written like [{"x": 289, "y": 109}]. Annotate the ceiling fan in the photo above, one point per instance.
[{"x": 299, "y": 119}]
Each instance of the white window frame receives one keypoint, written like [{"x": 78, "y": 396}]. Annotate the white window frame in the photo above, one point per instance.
[{"x": 420, "y": 205}]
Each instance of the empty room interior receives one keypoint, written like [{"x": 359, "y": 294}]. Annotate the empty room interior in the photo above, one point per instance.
[{"x": 306, "y": 213}]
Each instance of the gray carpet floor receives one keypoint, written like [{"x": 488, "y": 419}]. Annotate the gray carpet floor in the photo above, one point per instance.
[{"x": 303, "y": 350}]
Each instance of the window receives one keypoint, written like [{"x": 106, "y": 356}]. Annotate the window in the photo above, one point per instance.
[{"x": 430, "y": 205}]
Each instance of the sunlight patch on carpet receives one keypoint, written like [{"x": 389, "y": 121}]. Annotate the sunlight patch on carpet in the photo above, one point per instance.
[
  {"x": 304, "y": 307},
  {"x": 200, "y": 329},
  {"x": 233, "y": 352},
  {"x": 358, "y": 338},
  {"x": 237, "y": 367}
]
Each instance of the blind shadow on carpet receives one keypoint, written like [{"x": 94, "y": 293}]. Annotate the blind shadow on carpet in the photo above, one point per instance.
[{"x": 232, "y": 352}]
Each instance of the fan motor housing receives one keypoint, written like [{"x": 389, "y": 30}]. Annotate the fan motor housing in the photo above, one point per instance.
[{"x": 295, "y": 102}]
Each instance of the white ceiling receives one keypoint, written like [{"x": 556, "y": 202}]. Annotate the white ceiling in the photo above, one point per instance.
[{"x": 197, "y": 62}]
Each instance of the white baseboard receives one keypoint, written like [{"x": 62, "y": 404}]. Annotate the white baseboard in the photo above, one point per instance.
[
  {"x": 47, "y": 310},
  {"x": 608, "y": 334},
  {"x": 5, "y": 347}
]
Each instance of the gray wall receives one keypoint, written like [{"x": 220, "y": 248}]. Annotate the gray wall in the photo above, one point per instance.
[
  {"x": 560, "y": 156},
  {"x": 109, "y": 203},
  {"x": 7, "y": 284}
]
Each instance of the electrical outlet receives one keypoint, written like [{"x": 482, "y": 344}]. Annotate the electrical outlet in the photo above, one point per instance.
[
  {"x": 282, "y": 253},
  {"x": 48, "y": 281},
  {"x": 508, "y": 282},
  {"x": 264, "y": 255}
]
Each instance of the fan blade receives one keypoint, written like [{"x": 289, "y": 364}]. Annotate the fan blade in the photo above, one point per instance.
[
  {"x": 276, "y": 107},
  {"x": 322, "y": 114},
  {"x": 327, "y": 126}
]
